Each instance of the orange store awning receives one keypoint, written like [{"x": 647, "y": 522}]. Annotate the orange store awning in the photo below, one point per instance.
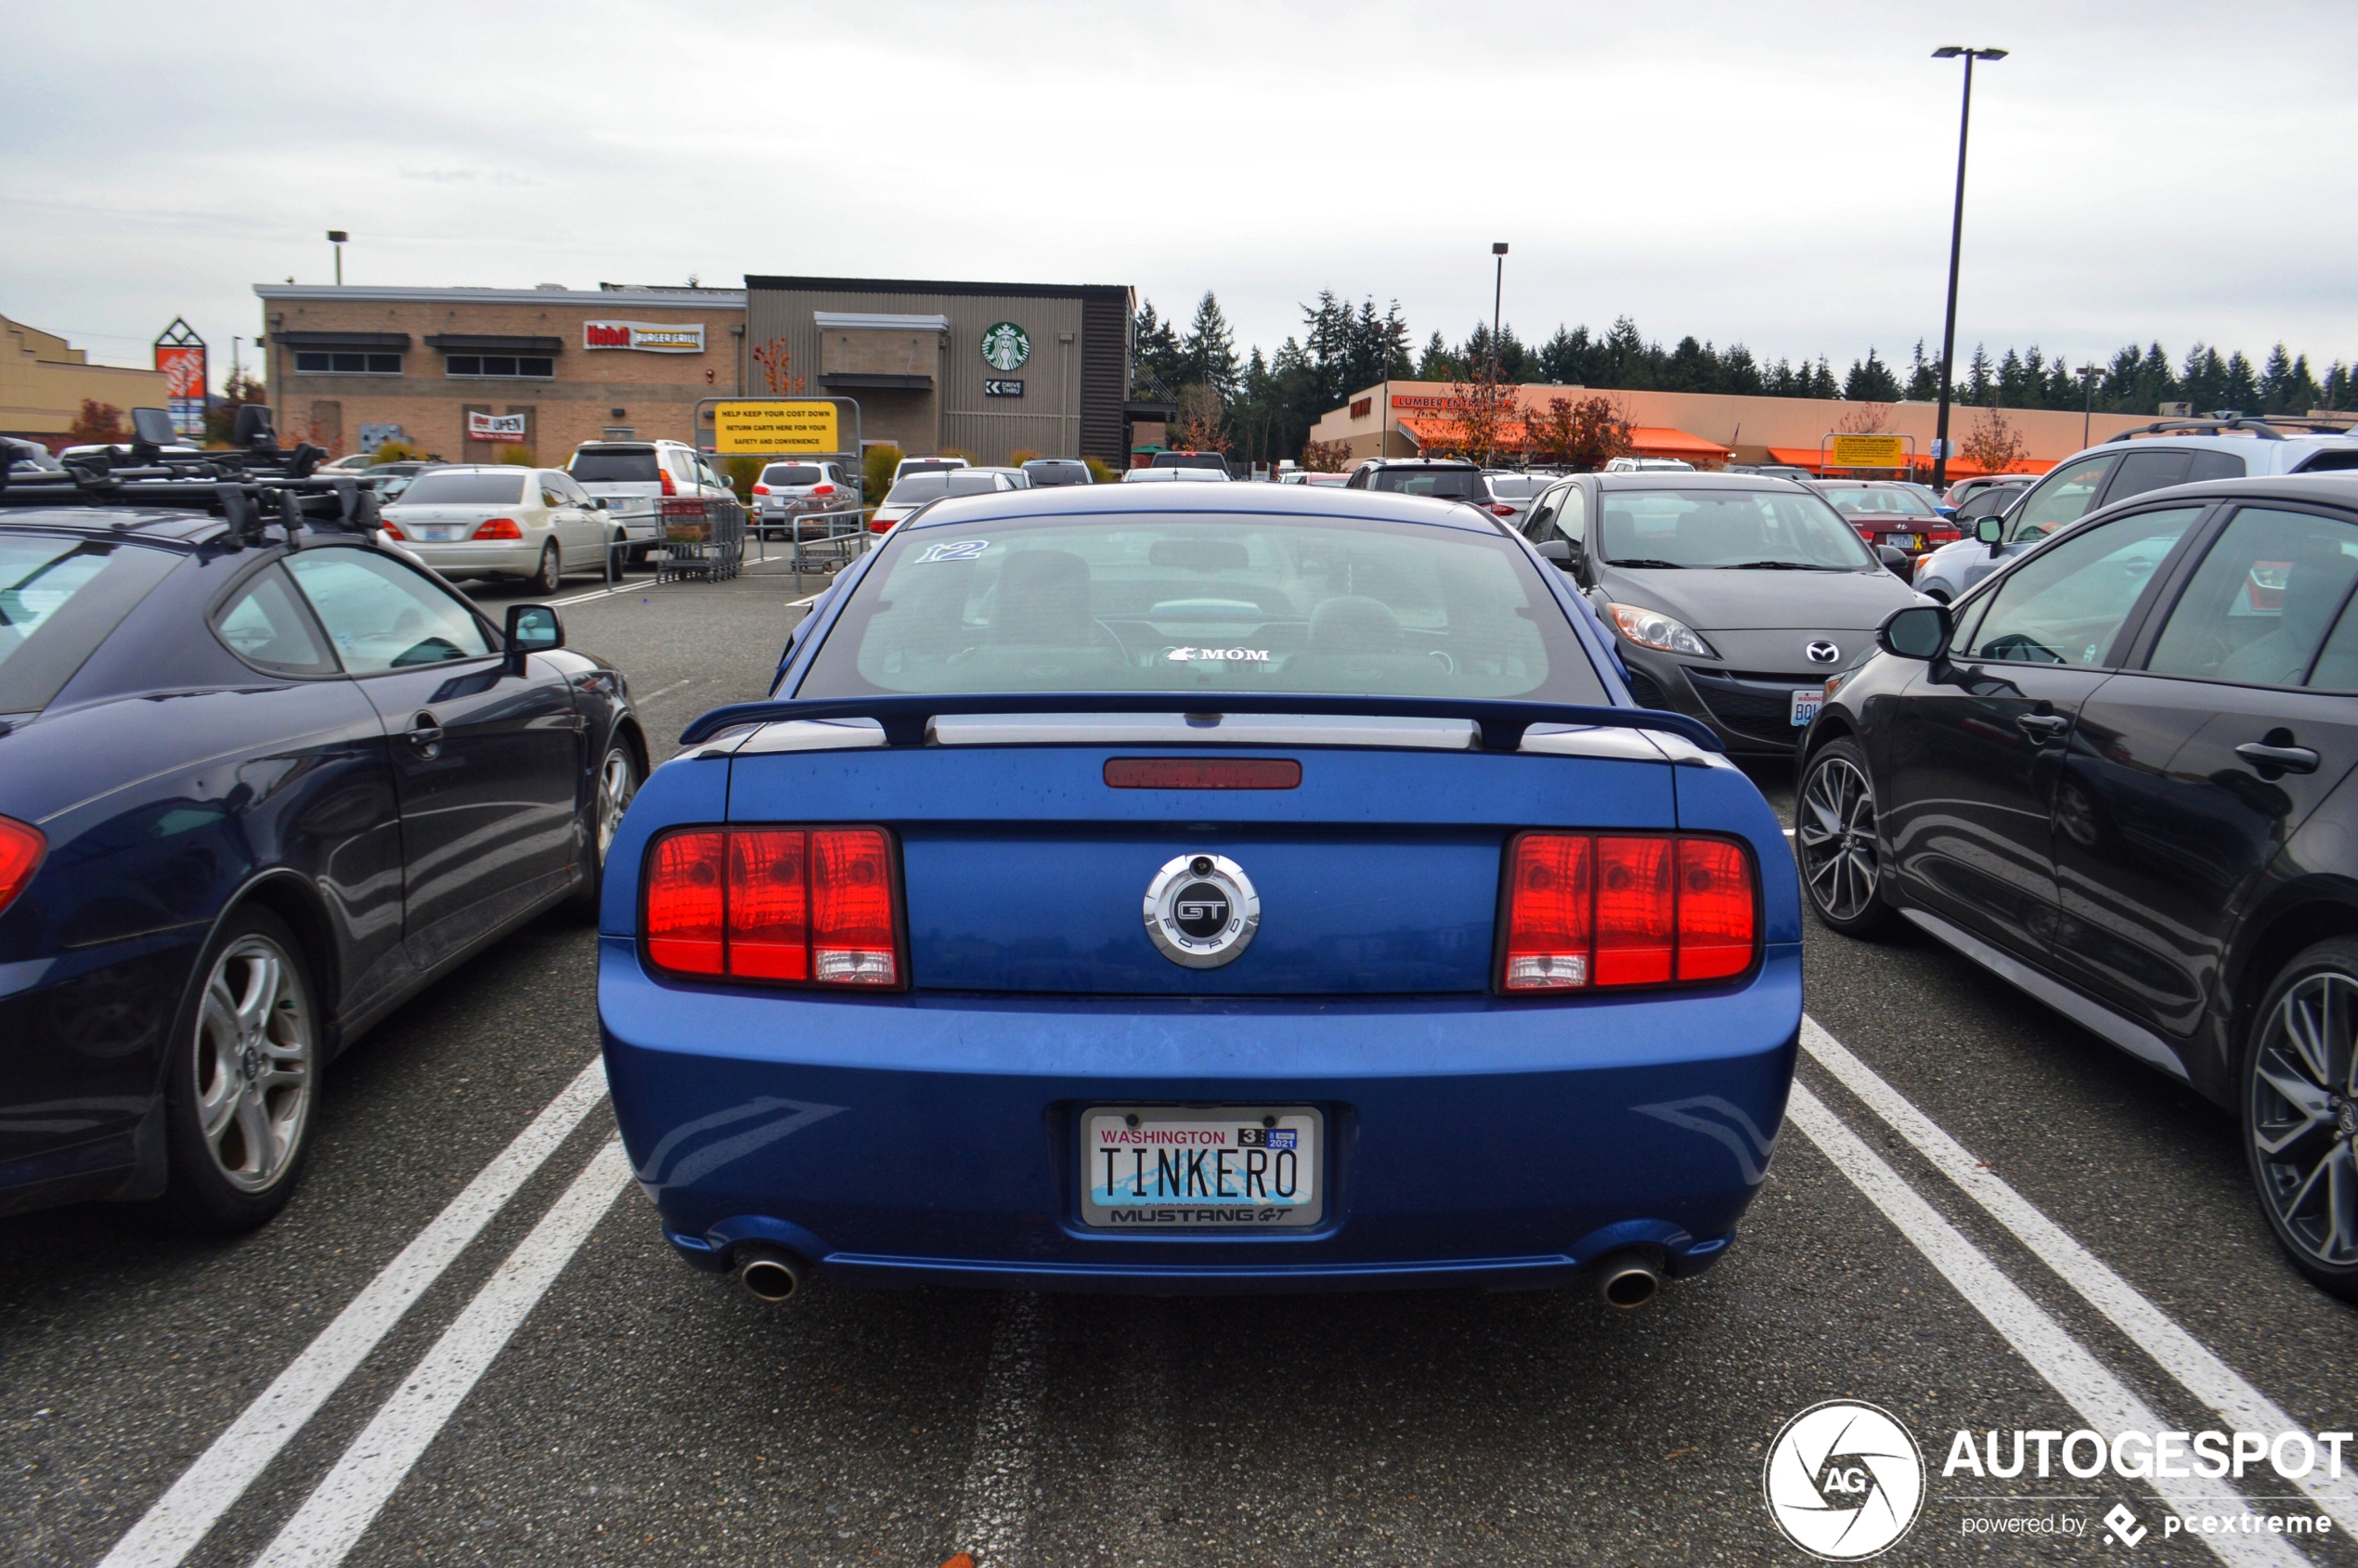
[{"x": 1660, "y": 441}]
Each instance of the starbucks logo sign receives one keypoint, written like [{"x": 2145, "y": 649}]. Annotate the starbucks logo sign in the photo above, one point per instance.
[{"x": 1006, "y": 346}]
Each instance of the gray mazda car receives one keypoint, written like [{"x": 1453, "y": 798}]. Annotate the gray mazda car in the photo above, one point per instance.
[{"x": 1732, "y": 596}]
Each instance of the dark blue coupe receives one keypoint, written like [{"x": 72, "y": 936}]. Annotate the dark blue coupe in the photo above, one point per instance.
[
  {"x": 260, "y": 779},
  {"x": 1200, "y": 888}
]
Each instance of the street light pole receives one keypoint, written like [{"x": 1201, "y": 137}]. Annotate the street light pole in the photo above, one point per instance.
[
  {"x": 1956, "y": 241},
  {"x": 1498, "y": 296},
  {"x": 336, "y": 237},
  {"x": 2088, "y": 374}
]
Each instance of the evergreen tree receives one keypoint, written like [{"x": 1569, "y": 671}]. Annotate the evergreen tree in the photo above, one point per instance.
[
  {"x": 1870, "y": 380},
  {"x": 1923, "y": 377},
  {"x": 1208, "y": 353},
  {"x": 1981, "y": 380},
  {"x": 1160, "y": 368}
]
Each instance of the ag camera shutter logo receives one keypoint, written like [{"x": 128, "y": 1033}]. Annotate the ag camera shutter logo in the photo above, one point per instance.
[{"x": 1844, "y": 1480}]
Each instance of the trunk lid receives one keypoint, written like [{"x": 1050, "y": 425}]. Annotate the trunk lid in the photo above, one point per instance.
[{"x": 1025, "y": 871}]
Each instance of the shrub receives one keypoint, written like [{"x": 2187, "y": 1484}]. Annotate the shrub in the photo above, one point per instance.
[
  {"x": 393, "y": 451},
  {"x": 515, "y": 454},
  {"x": 742, "y": 472},
  {"x": 1021, "y": 456},
  {"x": 875, "y": 470},
  {"x": 1099, "y": 473}
]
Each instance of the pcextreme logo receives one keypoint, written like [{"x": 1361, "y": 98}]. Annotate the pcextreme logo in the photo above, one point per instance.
[{"x": 1844, "y": 1480}]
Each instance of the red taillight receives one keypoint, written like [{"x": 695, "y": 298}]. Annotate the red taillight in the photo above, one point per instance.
[
  {"x": 1626, "y": 910},
  {"x": 685, "y": 900},
  {"x": 665, "y": 474},
  {"x": 392, "y": 529},
  {"x": 782, "y": 905},
  {"x": 762, "y": 489},
  {"x": 1942, "y": 535},
  {"x": 499, "y": 528},
  {"x": 22, "y": 846},
  {"x": 1499, "y": 509},
  {"x": 880, "y": 525},
  {"x": 823, "y": 489}
]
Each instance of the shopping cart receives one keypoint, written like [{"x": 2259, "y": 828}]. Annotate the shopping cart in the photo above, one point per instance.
[{"x": 701, "y": 537}]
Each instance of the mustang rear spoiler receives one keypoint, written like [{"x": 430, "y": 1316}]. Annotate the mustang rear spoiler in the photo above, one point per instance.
[{"x": 905, "y": 718}]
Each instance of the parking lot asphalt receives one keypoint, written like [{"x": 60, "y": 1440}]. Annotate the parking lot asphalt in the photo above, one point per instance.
[{"x": 1977, "y": 1217}]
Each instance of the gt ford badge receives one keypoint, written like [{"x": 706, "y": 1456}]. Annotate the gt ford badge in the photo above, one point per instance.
[{"x": 1201, "y": 911}]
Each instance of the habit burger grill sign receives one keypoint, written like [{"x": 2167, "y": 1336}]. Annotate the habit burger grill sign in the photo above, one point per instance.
[{"x": 645, "y": 337}]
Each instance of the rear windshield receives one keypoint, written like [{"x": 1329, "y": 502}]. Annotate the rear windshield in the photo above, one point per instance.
[
  {"x": 58, "y": 600},
  {"x": 1451, "y": 483},
  {"x": 1859, "y": 497},
  {"x": 1055, "y": 473},
  {"x": 1190, "y": 459},
  {"x": 614, "y": 468},
  {"x": 918, "y": 488},
  {"x": 1518, "y": 487},
  {"x": 1161, "y": 602},
  {"x": 1729, "y": 529},
  {"x": 466, "y": 489},
  {"x": 791, "y": 474}
]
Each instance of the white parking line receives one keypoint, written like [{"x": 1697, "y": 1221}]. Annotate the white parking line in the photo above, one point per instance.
[
  {"x": 799, "y": 604},
  {"x": 601, "y": 593},
  {"x": 2201, "y": 1372},
  {"x": 2102, "y": 1400},
  {"x": 1001, "y": 1488},
  {"x": 221, "y": 1475},
  {"x": 340, "y": 1510},
  {"x": 666, "y": 691}
]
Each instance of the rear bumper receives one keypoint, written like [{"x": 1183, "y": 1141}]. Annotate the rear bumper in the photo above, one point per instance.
[
  {"x": 473, "y": 559},
  {"x": 931, "y": 1138}
]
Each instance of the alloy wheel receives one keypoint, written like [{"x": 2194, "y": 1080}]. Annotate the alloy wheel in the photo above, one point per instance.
[
  {"x": 1835, "y": 832},
  {"x": 618, "y": 782},
  {"x": 2303, "y": 1108},
  {"x": 551, "y": 572},
  {"x": 255, "y": 1045}
]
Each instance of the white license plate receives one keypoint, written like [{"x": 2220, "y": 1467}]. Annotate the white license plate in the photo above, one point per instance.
[
  {"x": 444, "y": 533},
  {"x": 1219, "y": 1166},
  {"x": 1805, "y": 705},
  {"x": 1908, "y": 542}
]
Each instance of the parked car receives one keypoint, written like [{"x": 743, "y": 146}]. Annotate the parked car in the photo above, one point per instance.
[
  {"x": 1189, "y": 459},
  {"x": 632, "y": 476},
  {"x": 1889, "y": 511},
  {"x": 1649, "y": 465},
  {"x": 1199, "y": 864},
  {"x": 1732, "y": 597},
  {"x": 908, "y": 466},
  {"x": 1020, "y": 478},
  {"x": 251, "y": 799},
  {"x": 1049, "y": 471},
  {"x": 790, "y": 495},
  {"x": 530, "y": 524},
  {"x": 1157, "y": 475},
  {"x": 2117, "y": 775},
  {"x": 390, "y": 479},
  {"x": 2166, "y": 452},
  {"x": 1448, "y": 478},
  {"x": 1306, "y": 476},
  {"x": 355, "y": 462},
  {"x": 1512, "y": 494},
  {"x": 924, "y": 487},
  {"x": 1964, "y": 490}
]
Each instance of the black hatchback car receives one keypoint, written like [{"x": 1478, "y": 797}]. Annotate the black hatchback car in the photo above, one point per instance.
[
  {"x": 2116, "y": 774},
  {"x": 262, "y": 779}
]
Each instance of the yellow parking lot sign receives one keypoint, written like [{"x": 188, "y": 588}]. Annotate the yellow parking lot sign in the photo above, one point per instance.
[
  {"x": 1867, "y": 451},
  {"x": 764, "y": 425}
]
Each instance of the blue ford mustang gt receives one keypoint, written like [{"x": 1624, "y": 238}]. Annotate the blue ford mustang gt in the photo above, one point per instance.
[{"x": 1221, "y": 888}]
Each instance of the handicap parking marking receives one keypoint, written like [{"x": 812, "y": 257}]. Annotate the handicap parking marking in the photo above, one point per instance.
[
  {"x": 179, "y": 1520},
  {"x": 340, "y": 1510},
  {"x": 2196, "y": 1368},
  {"x": 2086, "y": 1384}
]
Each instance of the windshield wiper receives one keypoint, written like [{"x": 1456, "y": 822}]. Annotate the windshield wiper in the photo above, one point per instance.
[
  {"x": 1644, "y": 564},
  {"x": 1780, "y": 566}
]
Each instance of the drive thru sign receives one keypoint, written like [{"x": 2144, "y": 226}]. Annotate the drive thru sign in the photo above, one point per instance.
[{"x": 760, "y": 427}]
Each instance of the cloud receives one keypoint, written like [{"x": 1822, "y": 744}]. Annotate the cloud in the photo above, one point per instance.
[{"x": 1774, "y": 174}]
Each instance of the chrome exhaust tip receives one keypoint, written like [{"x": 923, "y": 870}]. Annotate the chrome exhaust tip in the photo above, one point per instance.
[
  {"x": 771, "y": 1273},
  {"x": 1627, "y": 1280}
]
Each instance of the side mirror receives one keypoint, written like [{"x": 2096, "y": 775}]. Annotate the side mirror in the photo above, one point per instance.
[
  {"x": 1990, "y": 531},
  {"x": 532, "y": 628},
  {"x": 1892, "y": 556},
  {"x": 598, "y": 503},
  {"x": 153, "y": 426},
  {"x": 1558, "y": 550},
  {"x": 1918, "y": 632}
]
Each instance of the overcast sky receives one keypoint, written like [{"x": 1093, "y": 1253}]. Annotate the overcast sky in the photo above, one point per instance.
[{"x": 1778, "y": 175}]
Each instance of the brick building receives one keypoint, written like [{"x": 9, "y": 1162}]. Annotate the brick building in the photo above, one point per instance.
[{"x": 350, "y": 367}]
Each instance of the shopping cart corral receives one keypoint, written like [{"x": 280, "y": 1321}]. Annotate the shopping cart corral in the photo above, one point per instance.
[
  {"x": 824, "y": 542},
  {"x": 701, "y": 537}
]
